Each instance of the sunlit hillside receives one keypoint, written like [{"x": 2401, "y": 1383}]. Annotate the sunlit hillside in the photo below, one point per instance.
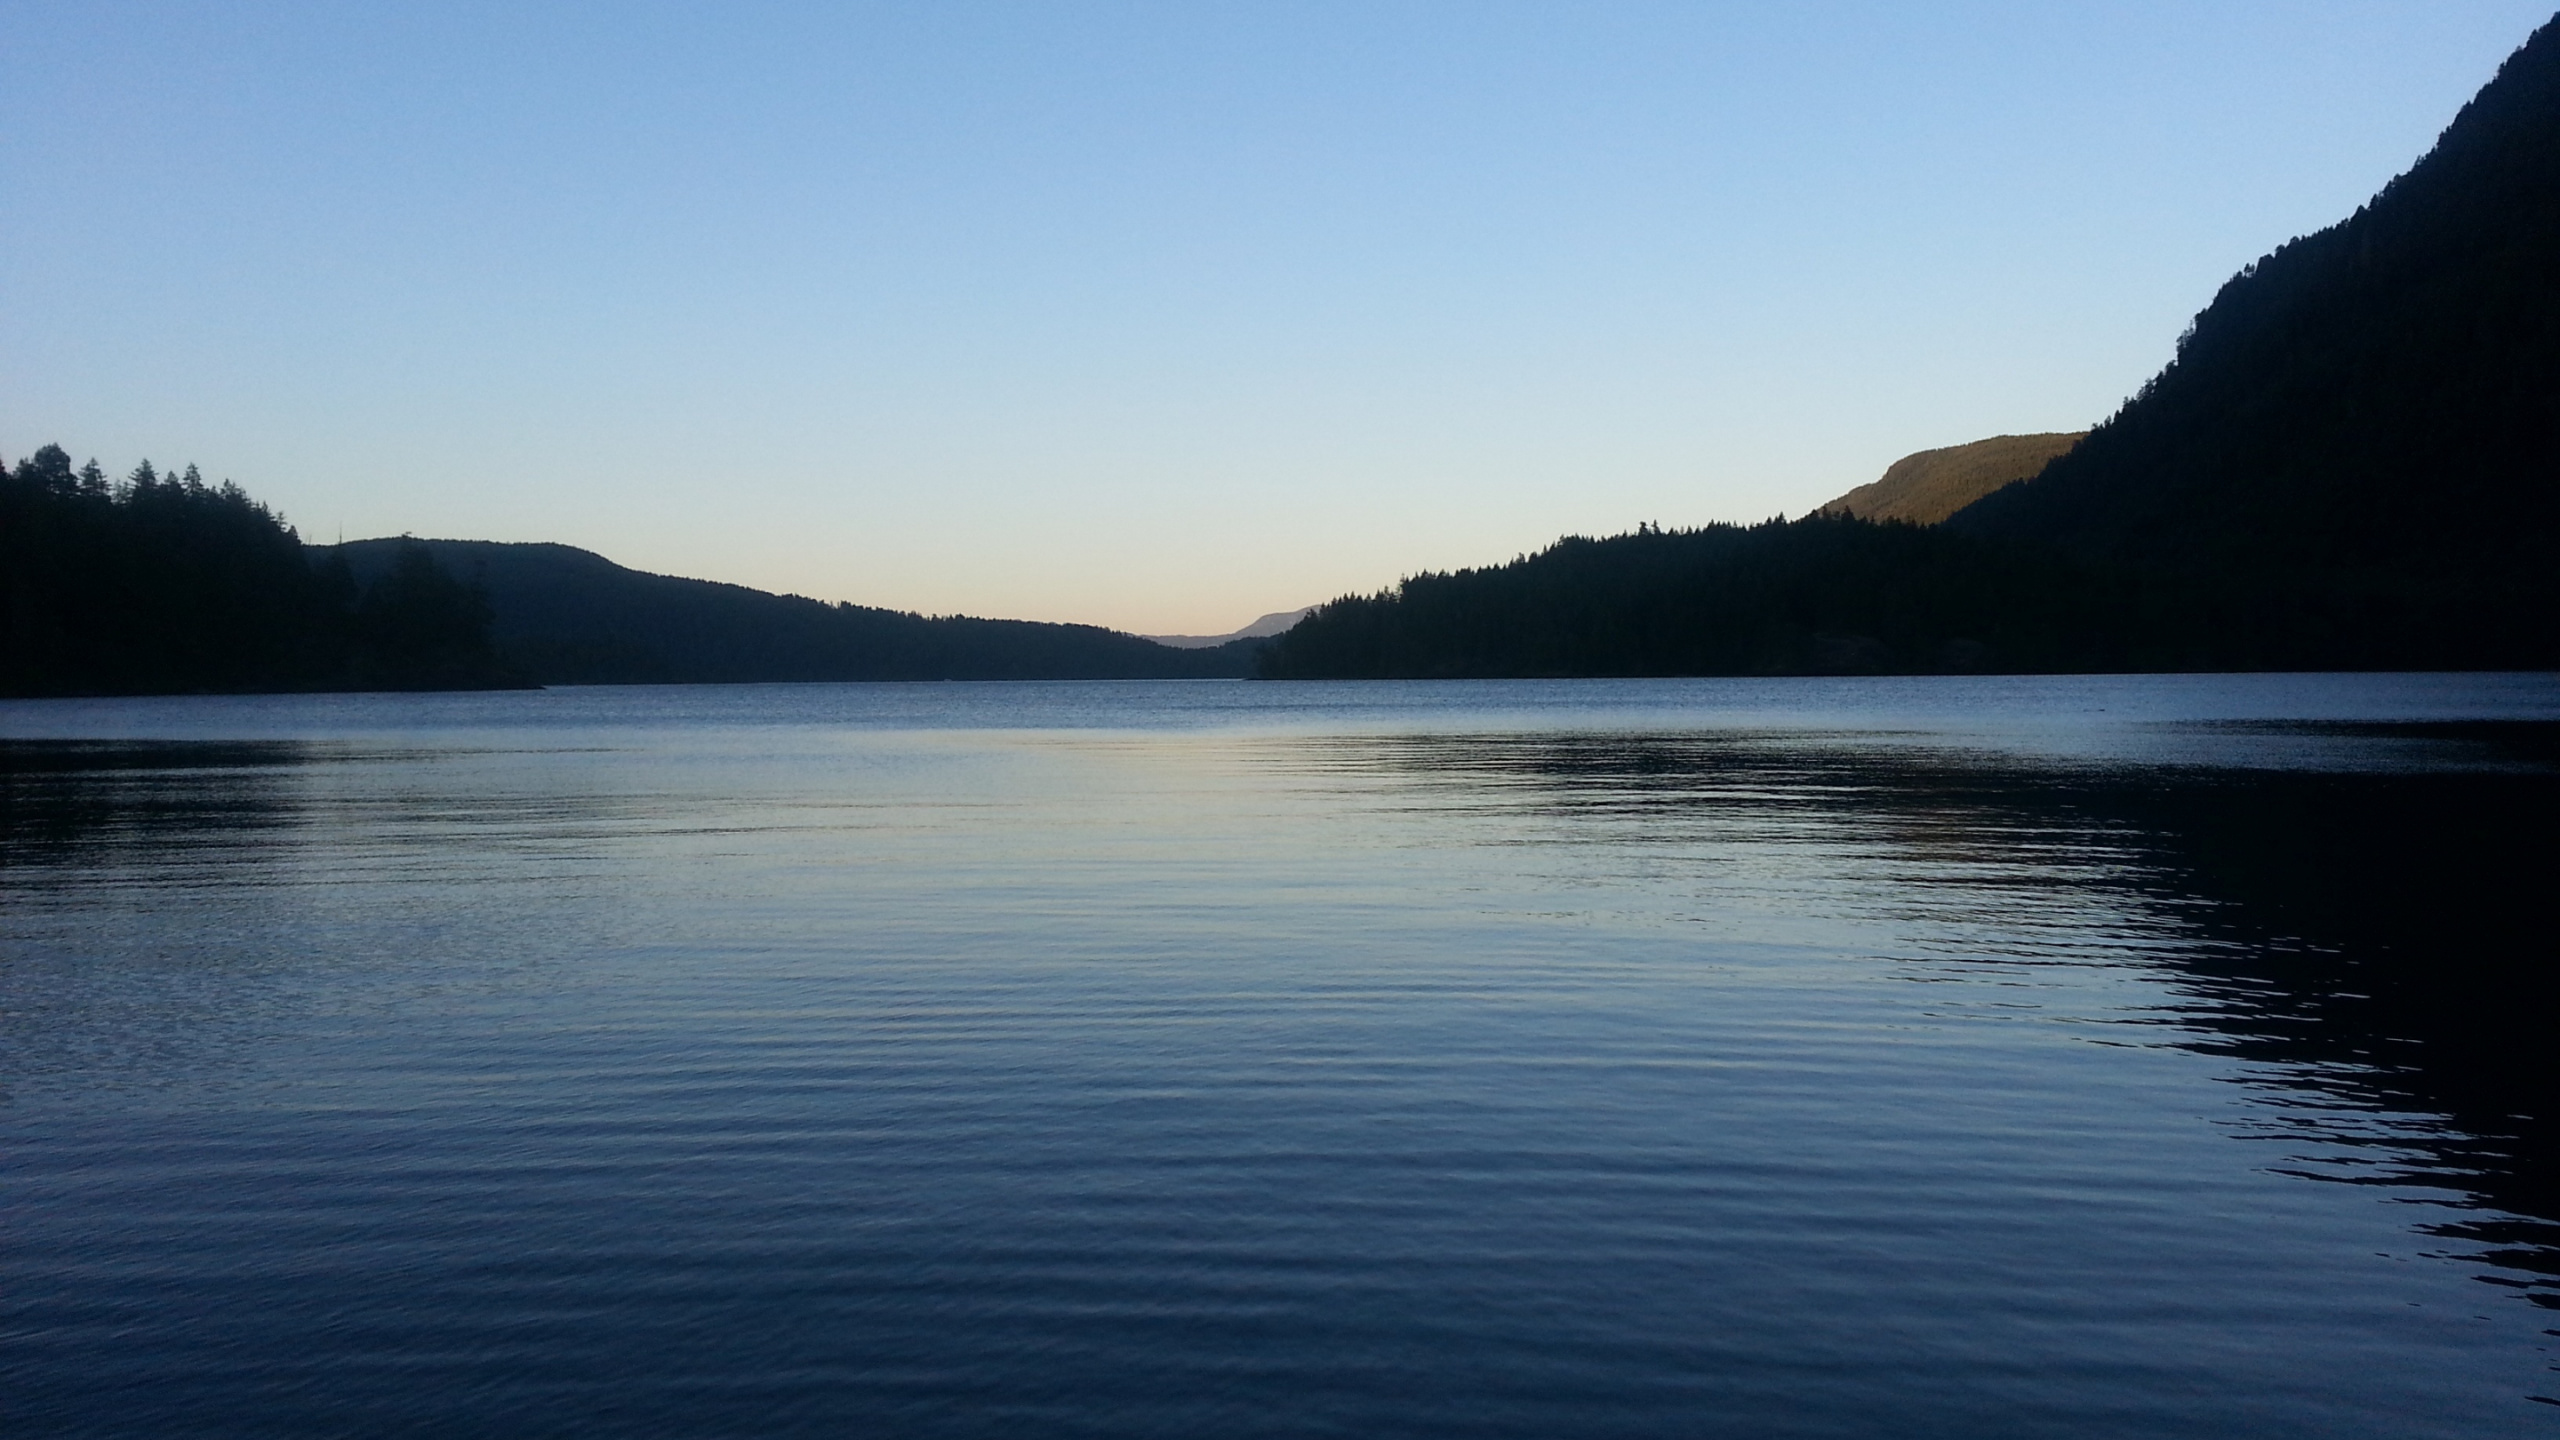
[{"x": 1930, "y": 486}]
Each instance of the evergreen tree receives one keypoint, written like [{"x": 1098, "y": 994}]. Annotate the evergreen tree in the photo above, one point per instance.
[
  {"x": 165, "y": 583},
  {"x": 418, "y": 628}
]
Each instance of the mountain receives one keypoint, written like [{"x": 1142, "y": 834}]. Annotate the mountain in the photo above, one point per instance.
[
  {"x": 2354, "y": 458},
  {"x": 2353, "y": 462},
  {"x": 1825, "y": 594},
  {"x": 159, "y": 585},
  {"x": 163, "y": 584},
  {"x": 1930, "y": 486},
  {"x": 1267, "y": 626},
  {"x": 568, "y": 616}
]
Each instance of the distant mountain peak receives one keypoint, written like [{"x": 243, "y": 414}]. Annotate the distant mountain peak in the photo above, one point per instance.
[{"x": 1271, "y": 624}]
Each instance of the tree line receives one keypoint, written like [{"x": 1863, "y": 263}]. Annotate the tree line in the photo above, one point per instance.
[
  {"x": 1825, "y": 594},
  {"x": 162, "y": 583},
  {"x": 2354, "y": 457},
  {"x": 569, "y": 616},
  {"x": 2352, "y": 463},
  {"x": 1832, "y": 594}
]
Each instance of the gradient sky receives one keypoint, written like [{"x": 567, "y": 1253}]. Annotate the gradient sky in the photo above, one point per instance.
[{"x": 1155, "y": 316}]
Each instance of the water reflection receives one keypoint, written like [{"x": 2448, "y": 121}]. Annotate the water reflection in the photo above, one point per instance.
[
  {"x": 1456, "y": 1076},
  {"x": 168, "y": 908},
  {"x": 2389, "y": 961},
  {"x": 74, "y": 802},
  {"x": 2362, "y": 909},
  {"x": 2365, "y": 908}
]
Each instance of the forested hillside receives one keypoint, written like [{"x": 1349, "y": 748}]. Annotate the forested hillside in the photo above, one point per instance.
[
  {"x": 1827, "y": 594},
  {"x": 1930, "y": 486},
  {"x": 164, "y": 584},
  {"x": 2353, "y": 463},
  {"x": 158, "y": 584},
  {"x": 2355, "y": 457},
  {"x": 568, "y": 616}
]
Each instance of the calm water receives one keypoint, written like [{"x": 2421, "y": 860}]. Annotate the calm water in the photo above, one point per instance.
[{"x": 2093, "y": 1057}]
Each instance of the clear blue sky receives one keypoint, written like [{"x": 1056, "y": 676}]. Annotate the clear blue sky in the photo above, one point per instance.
[{"x": 1157, "y": 316}]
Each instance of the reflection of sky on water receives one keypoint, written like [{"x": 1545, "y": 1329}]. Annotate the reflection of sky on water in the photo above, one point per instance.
[
  {"x": 171, "y": 905},
  {"x": 2357, "y": 911},
  {"x": 2330, "y": 981},
  {"x": 2071, "y": 713},
  {"x": 2341, "y": 914}
]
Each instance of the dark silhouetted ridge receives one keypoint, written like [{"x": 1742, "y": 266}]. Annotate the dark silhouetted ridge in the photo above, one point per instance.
[
  {"x": 160, "y": 584},
  {"x": 2353, "y": 463},
  {"x": 569, "y": 616},
  {"x": 165, "y": 584},
  {"x": 2354, "y": 459},
  {"x": 1827, "y": 594}
]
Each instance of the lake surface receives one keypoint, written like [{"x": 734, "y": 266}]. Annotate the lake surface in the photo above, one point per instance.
[{"x": 2157, "y": 1056}]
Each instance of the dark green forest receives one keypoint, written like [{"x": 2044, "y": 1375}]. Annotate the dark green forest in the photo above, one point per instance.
[
  {"x": 1827, "y": 594},
  {"x": 167, "y": 585},
  {"x": 2352, "y": 463},
  {"x": 2354, "y": 458},
  {"x": 163, "y": 583},
  {"x": 570, "y": 616}
]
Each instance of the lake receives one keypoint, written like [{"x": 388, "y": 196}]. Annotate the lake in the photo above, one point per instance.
[{"x": 2091, "y": 1056}]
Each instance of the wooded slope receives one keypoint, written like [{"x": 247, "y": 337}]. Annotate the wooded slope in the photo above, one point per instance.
[
  {"x": 2354, "y": 459},
  {"x": 569, "y": 616},
  {"x": 1930, "y": 486}
]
